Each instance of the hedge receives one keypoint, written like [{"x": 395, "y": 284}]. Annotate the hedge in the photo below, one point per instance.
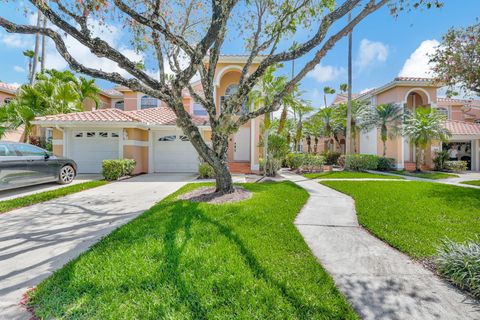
[
  {"x": 305, "y": 162},
  {"x": 456, "y": 166},
  {"x": 205, "y": 171},
  {"x": 115, "y": 169},
  {"x": 361, "y": 162}
]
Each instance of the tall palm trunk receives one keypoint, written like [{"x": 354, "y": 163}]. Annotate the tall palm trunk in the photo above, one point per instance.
[
  {"x": 384, "y": 147},
  {"x": 44, "y": 25},
  {"x": 37, "y": 48},
  {"x": 315, "y": 145},
  {"x": 283, "y": 120},
  {"x": 418, "y": 158}
]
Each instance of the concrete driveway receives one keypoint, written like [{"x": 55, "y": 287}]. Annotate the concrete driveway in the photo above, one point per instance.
[
  {"x": 37, "y": 240},
  {"x": 25, "y": 191}
]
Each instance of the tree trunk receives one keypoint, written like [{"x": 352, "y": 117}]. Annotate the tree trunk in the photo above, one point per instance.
[
  {"x": 315, "y": 145},
  {"x": 418, "y": 157},
  {"x": 223, "y": 178},
  {"x": 283, "y": 119},
  {"x": 37, "y": 47},
  {"x": 384, "y": 148}
]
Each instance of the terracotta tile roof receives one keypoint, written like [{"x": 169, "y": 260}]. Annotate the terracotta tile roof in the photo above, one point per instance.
[
  {"x": 415, "y": 79},
  {"x": 151, "y": 116},
  {"x": 8, "y": 87},
  {"x": 462, "y": 128},
  {"x": 112, "y": 93},
  {"x": 102, "y": 115}
]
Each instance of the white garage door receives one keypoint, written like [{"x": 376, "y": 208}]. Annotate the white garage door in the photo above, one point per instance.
[
  {"x": 90, "y": 147},
  {"x": 173, "y": 152}
]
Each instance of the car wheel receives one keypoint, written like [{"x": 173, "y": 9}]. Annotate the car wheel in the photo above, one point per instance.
[{"x": 66, "y": 175}]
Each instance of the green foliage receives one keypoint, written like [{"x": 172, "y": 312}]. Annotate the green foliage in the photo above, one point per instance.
[
  {"x": 439, "y": 160},
  {"x": 385, "y": 164},
  {"x": 341, "y": 161},
  {"x": 460, "y": 263},
  {"x": 457, "y": 64},
  {"x": 349, "y": 175},
  {"x": 205, "y": 171},
  {"x": 242, "y": 260},
  {"x": 305, "y": 162},
  {"x": 388, "y": 119},
  {"x": 8, "y": 205},
  {"x": 271, "y": 166},
  {"x": 361, "y": 162},
  {"x": 427, "y": 175},
  {"x": 415, "y": 216},
  {"x": 331, "y": 157},
  {"x": 472, "y": 182},
  {"x": 456, "y": 166},
  {"x": 115, "y": 169},
  {"x": 421, "y": 127}
]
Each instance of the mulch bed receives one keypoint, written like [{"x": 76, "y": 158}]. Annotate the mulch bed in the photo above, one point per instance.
[{"x": 208, "y": 195}]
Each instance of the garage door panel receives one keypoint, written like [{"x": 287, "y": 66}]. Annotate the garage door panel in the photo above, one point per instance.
[
  {"x": 89, "y": 152},
  {"x": 175, "y": 154}
]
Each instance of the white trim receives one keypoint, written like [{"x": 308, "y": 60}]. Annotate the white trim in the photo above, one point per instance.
[
  {"x": 57, "y": 142},
  {"x": 401, "y": 163},
  {"x": 120, "y": 144},
  {"x": 252, "y": 144},
  {"x": 136, "y": 143},
  {"x": 108, "y": 124},
  {"x": 417, "y": 89},
  {"x": 66, "y": 144},
  {"x": 150, "y": 152},
  {"x": 224, "y": 70}
]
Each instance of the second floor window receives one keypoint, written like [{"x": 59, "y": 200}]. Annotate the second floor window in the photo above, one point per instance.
[
  {"x": 148, "y": 102},
  {"x": 119, "y": 105},
  {"x": 199, "y": 110},
  {"x": 232, "y": 89},
  {"x": 443, "y": 111}
]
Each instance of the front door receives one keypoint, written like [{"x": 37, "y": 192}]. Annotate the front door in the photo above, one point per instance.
[{"x": 241, "y": 146}]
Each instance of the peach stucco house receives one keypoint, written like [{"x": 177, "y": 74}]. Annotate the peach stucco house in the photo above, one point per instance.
[
  {"x": 411, "y": 93},
  {"x": 136, "y": 126}
]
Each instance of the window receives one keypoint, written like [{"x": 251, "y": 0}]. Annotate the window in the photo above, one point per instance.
[
  {"x": 199, "y": 110},
  {"x": 28, "y": 150},
  {"x": 148, "y": 102},
  {"x": 103, "y": 134},
  {"x": 232, "y": 89},
  {"x": 114, "y": 135},
  {"x": 49, "y": 134},
  {"x": 78, "y": 135},
  {"x": 184, "y": 138},
  {"x": 7, "y": 151},
  {"x": 90, "y": 134},
  {"x": 168, "y": 138},
  {"x": 443, "y": 111},
  {"x": 477, "y": 121},
  {"x": 119, "y": 105},
  {"x": 7, "y": 100}
]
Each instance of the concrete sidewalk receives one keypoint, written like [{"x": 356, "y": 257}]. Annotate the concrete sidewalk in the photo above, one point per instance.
[
  {"x": 37, "y": 240},
  {"x": 379, "y": 281}
]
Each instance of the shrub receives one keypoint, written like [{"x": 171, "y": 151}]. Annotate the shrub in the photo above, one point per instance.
[
  {"x": 460, "y": 263},
  {"x": 456, "y": 166},
  {"x": 115, "y": 169},
  {"x": 439, "y": 160},
  {"x": 341, "y": 161},
  {"x": 385, "y": 164},
  {"x": 331, "y": 157},
  {"x": 305, "y": 162},
  {"x": 205, "y": 171},
  {"x": 361, "y": 162},
  {"x": 272, "y": 166}
]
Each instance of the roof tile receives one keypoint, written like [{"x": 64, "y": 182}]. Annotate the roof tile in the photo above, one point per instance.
[{"x": 462, "y": 127}]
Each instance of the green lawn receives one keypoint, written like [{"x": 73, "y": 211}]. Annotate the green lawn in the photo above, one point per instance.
[
  {"x": 434, "y": 175},
  {"x": 347, "y": 175},
  {"x": 8, "y": 205},
  {"x": 415, "y": 216},
  {"x": 472, "y": 182},
  {"x": 184, "y": 260}
]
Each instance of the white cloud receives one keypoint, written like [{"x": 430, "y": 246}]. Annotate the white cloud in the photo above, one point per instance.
[
  {"x": 371, "y": 52},
  {"x": 18, "y": 69},
  {"x": 327, "y": 73},
  {"x": 417, "y": 65},
  {"x": 16, "y": 40}
]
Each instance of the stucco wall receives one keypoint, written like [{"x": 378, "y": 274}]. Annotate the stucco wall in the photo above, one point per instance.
[
  {"x": 140, "y": 155},
  {"x": 130, "y": 100}
]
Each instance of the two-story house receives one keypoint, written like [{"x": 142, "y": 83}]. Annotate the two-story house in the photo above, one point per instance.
[
  {"x": 136, "y": 126},
  {"x": 463, "y": 121}
]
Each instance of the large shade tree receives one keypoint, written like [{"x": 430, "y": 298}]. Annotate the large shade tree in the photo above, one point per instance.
[
  {"x": 182, "y": 34},
  {"x": 456, "y": 62}
]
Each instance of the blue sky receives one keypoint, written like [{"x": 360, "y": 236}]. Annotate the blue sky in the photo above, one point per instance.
[{"x": 383, "y": 48}]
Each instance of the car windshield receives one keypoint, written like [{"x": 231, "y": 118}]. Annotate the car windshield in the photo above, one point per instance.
[{"x": 6, "y": 151}]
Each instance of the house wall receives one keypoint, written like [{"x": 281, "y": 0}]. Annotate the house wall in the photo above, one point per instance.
[
  {"x": 57, "y": 143},
  {"x": 4, "y": 95},
  {"x": 130, "y": 100},
  {"x": 135, "y": 146}
]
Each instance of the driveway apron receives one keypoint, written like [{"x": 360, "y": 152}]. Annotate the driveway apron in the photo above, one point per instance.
[
  {"x": 379, "y": 281},
  {"x": 37, "y": 240}
]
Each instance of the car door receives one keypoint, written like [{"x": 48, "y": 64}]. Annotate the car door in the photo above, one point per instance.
[
  {"x": 13, "y": 168},
  {"x": 41, "y": 168}
]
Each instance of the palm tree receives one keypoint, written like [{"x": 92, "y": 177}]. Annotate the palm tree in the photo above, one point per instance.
[
  {"x": 29, "y": 54},
  {"x": 87, "y": 89},
  {"x": 327, "y": 90},
  {"x": 331, "y": 125},
  {"x": 360, "y": 118},
  {"x": 388, "y": 119},
  {"x": 422, "y": 126},
  {"x": 343, "y": 87}
]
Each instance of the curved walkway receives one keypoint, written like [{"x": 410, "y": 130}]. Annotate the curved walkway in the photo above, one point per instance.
[
  {"x": 379, "y": 281},
  {"x": 37, "y": 240}
]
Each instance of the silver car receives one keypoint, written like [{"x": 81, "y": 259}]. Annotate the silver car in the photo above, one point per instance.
[{"x": 23, "y": 164}]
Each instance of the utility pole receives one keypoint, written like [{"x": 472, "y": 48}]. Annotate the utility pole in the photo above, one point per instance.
[
  {"x": 348, "y": 138},
  {"x": 37, "y": 48},
  {"x": 44, "y": 25}
]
